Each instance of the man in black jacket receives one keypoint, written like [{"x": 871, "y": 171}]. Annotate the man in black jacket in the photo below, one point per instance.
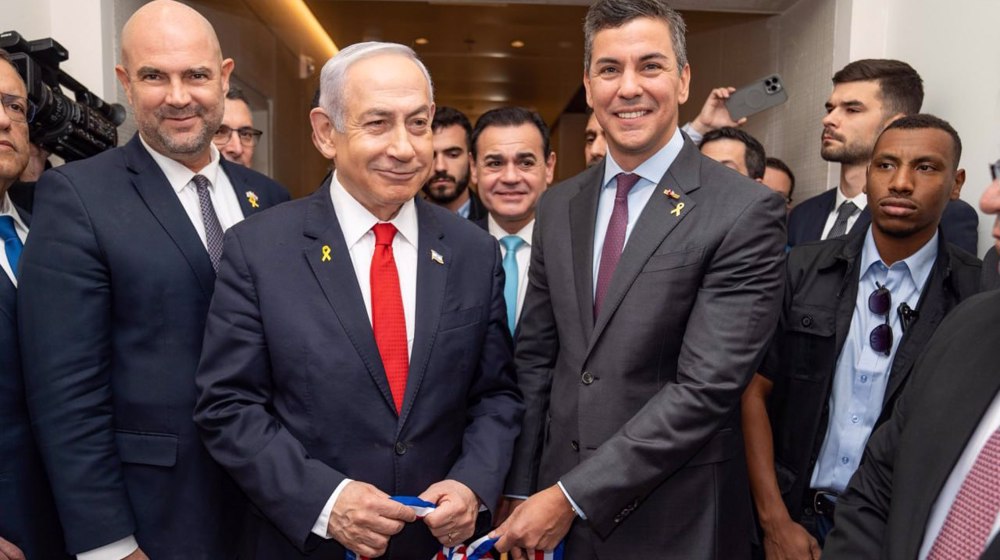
[{"x": 858, "y": 310}]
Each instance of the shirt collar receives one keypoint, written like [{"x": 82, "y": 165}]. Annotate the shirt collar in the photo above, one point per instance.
[
  {"x": 7, "y": 208},
  {"x": 177, "y": 174},
  {"x": 918, "y": 264},
  {"x": 356, "y": 221},
  {"x": 654, "y": 168},
  {"x": 498, "y": 232},
  {"x": 861, "y": 200}
]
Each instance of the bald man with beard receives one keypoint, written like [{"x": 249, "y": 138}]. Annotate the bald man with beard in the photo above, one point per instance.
[{"x": 116, "y": 279}]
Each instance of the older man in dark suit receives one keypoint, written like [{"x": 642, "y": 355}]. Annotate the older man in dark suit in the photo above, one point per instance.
[
  {"x": 117, "y": 277},
  {"x": 655, "y": 282},
  {"x": 929, "y": 484},
  {"x": 29, "y": 526},
  {"x": 357, "y": 344}
]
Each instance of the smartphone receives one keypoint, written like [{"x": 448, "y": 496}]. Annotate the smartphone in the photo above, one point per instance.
[{"x": 751, "y": 99}]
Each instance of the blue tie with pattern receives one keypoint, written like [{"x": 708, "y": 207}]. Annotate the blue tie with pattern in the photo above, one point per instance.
[
  {"x": 511, "y": 243},
  {"x": 11, "y": 242}
]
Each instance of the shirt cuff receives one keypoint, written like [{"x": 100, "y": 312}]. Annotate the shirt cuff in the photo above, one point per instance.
[
  {"x": 114, "y": 551},
  {"x": 694, "y": 134},
  {"x": 322, "y": 525},
  {"x": 572, "y": 504}
]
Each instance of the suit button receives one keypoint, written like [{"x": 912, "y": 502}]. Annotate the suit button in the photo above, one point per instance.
[
  {"x": 587, "y": 378},
  {"x": 617, "y": 519},
  {"x": 575, "y": 445},
  {"x": 807, "y": 321},
  {"x": 400, "y": 448}
]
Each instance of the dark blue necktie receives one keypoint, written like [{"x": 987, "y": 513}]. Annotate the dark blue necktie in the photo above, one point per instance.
[{"x": 11, "y": 242}]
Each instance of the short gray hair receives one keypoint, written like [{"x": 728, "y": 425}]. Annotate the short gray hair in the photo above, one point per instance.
[
  {"x": 333, "y": 78},
  {"x": 608, "y": 14}
]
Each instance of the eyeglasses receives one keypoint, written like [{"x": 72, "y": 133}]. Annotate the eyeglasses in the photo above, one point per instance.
[
  {"x": 879, "y": 303},
  {"x": 248, "y": 136},
  {"x": 17, "y": 108},
  {"x": 995, "y": 170}
]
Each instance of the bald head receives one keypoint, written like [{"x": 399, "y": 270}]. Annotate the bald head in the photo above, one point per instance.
[
  {"x": 164, "y": 21},
  {"x": 175, "y": 79}
]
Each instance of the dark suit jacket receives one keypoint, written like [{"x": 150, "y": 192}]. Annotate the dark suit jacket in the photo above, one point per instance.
[
  {"x": 884, "y": 511},
  {"x": 477, "y": 211},
  {"x": 115, "y": 290},
  {"x": 27, "y": 513},
  {"x": 821, "y": 289},
  {"x": 636, "y": 412},
  {"x": 959, "y": 223},
  {"x": 293, "y": 389},
  {"x": 990, "y": 280}
]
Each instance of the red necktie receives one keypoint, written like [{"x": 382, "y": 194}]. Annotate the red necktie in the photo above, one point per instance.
[
  {"x": 388, "y": 320},
  {"x": 974, "y": 510},
  {"x": 614, "y": 239}
]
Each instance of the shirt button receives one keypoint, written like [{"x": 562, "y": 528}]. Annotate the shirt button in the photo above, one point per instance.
[
  {"x": 864, "y": 379},
  {"x": 400, "y": 448},
  {"x": 845, "y": 460},
  {"x": 855, "y": 419},
  {"x": 587, "y": 378}
]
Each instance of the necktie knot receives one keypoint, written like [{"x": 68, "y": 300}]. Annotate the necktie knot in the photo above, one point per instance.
[
  {"x": 625, "y": 183},
  {"x": 511, "y": 243},
  {"x": 201, "y": 182},
  {"x": 384, "y": 233},
  {"x": 7, "y": 231},
  {"x": 847, "y": 209}
]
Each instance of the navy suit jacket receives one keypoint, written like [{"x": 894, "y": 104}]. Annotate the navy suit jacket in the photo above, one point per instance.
[
  {"x": 959, "y": 222},
  {"x": 27, "y": 513},
  {"x": 293, "y": 395},
  {"x": 115, "y": 287}
]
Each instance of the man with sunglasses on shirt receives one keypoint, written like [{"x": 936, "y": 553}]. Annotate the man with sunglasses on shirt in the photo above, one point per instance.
[{"x": 858, "y": 310}]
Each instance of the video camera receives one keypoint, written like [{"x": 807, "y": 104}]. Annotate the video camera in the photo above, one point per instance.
[{"x": 70, "y": 129}]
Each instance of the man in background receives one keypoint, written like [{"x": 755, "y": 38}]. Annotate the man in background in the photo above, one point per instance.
[
  {"x": 736, "y": 150},
  {"x": 449, "y": 185},
  {"x": 236, "y": 137},
  {"x": 779, "y": 178}
]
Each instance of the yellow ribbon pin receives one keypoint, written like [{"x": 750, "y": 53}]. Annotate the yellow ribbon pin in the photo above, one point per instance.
[
  {"x": 326, "y": 253},
  {"x": 252, "y": 197},
  {"x": 677, "y": 209}
]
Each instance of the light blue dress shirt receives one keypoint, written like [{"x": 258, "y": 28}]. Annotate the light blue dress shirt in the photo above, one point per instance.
[
  {"x": 862, "y": 374},
  {"x": 650, "y": 173},
  {"x": 464, "y": 209}
]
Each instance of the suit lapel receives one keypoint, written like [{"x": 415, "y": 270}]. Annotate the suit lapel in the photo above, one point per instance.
[
  {"x": 244, "y": 194},
  {"x": 432, "y": 280},
  {"x": 657, "y": 220},
  {"x": 582, "y": 220},
  {"x": 152, "y": 186},
  {"x": 339, "y": 283}
]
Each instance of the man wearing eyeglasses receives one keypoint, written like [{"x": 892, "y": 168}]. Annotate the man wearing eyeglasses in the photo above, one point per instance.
[
  {"x": 858, "y": 310},
  {"x": 236, "y": 137},
  {"x": 29, "y": 526},
  {"x": 116, "y": 278}
]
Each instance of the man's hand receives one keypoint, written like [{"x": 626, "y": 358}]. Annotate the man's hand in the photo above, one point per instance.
[
  {"x": 714, "y": 113},
  {"x": 454, "y": 519},
  {"x": 505, "y": 508},
  {"x": 364, "y": 517},
  {"x": 787, "y": 540},
  {"x": 537, "y": 524},
  {"x": 8, "y": 551},
  {"x": 137, "y": 555}
]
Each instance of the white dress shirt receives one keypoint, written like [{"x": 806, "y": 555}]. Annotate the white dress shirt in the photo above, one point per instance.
[
  {"x": 523, "y": 257},
  {"x": 989, "y": 423},
  {"x": 227, "y": 206},
  {"x": 861, "y": 201},
  {"x": 356, "y": 223},
  {"x": 7, "y": 209},
  {"x": 227, "y": 209}
]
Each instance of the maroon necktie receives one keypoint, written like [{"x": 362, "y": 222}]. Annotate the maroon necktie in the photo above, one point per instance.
[
  {"x": 614, "y": 238},
  {"x": 974, "y": 510},
  {"x": 388, "y": 320}
]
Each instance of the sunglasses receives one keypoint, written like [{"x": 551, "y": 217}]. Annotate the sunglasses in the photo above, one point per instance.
[{"x": 880, "y": 303}]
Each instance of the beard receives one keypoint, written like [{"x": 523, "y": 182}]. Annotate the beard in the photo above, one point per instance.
[
  {"x": 183, "y": 144},
  {"x": 849, "y": 153},
  {"x": 446, "y": 195}
]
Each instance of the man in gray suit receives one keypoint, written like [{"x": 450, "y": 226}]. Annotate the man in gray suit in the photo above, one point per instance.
[{"x": 655, "y": 281}]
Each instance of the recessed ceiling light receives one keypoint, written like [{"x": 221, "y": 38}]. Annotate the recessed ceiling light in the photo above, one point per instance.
[
  {"x": 517, "y": 43},
  {"x": 421, "y": 40}
]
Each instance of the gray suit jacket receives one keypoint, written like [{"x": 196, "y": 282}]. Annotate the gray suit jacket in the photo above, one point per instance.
[{"x": 636, "y": 412}]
